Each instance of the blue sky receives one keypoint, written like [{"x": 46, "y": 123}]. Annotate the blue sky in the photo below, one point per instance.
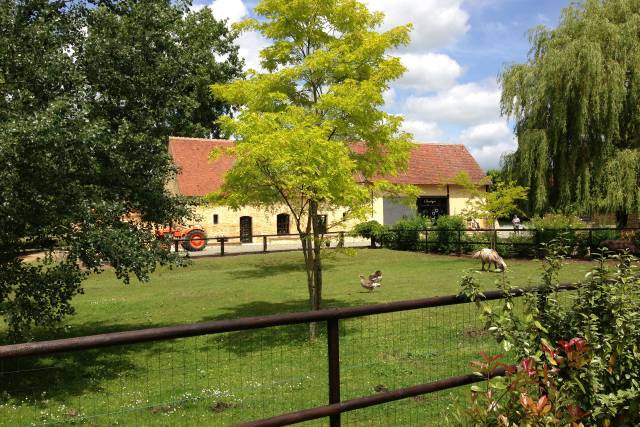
[{"x": 458, "y": 48}]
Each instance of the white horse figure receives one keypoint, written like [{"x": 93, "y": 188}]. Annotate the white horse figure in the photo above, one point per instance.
[{"x": 490, "y": 256}]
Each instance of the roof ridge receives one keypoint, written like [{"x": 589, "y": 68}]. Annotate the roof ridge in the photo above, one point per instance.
[
  {"x": 438, "y": 143},
  {"x": 200, "y": 139}
]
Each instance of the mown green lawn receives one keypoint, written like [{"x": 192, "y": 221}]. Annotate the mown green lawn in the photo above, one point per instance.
[{"x": 217, "y": 380}]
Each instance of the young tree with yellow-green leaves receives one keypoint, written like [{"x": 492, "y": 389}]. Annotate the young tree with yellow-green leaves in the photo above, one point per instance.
[
  {"x": 310, "y": 133},
  {"x": 576, "y": 107},
  {"x": 502, "y": 201}
]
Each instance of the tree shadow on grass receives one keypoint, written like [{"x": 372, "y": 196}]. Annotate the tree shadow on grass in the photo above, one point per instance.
[
  {"x": 269, "y": 339},
  {"x": 262, "y": 270},
  {"x": 70, "y": 376},
  {"x": 63, "y": 376}
]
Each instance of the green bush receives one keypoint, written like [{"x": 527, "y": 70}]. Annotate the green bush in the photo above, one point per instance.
[
  {"x": 446, "y": 235},
  {"x": 551, "y": 226},
  {"x": 519, "y": 245},
  {"x": 372, "y": 230},
  {"x": 554, "y": 226},
  {"x": 368, "y": 229},
  {"x": 578, "y": 361},
  {"x": 405, "y": 234},
  {"x": 474, "y": 241},
  {"x": 557, "y": 221}
]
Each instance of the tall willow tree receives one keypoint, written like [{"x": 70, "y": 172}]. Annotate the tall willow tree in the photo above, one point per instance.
[
  {"x": 326, "y": 71},
  {"x": 576, "y": 104}
]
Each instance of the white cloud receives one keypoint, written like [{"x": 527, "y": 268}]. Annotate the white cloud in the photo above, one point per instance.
[
  {"x": 487, "y": 142},
  {"x": 251, "y": 43},
  {"x": 485, "y": 134},
  {"x": 429, "y": 72},
  {"x": 436, "y": 23},
  {"x": 422, "y": 131},
  {"x": 466, "y": 105},
  {"x": 233, "y": 10},
  {"x": 489, "y": 156},
  {"x": 389, "y": 97}
]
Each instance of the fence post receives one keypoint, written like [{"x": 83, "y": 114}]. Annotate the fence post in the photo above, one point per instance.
[
  {"x": 341, "y": 239},
  {"x": 426, "y": 241},
  {"x": 459, "y": 242},
  {"x": 176, "y": 245},
  {"x": 264, "y": 243},
  {"x": 221, "y": 246},
  {"x": 333, "y": 353}
]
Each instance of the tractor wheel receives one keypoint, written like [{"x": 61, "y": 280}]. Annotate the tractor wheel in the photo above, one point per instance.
[{"x": 195, "y": 241}]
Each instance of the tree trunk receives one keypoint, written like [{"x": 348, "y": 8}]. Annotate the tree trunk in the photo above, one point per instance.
[{"x": 312, "y": 247}]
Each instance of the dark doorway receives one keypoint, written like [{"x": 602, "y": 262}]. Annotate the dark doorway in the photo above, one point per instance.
[
  {"x": 282, "y": 223},
  {"x": 433, "y": 207},
  {"x": 246, "y": 231},
  {"x": 322, "y": 224}
]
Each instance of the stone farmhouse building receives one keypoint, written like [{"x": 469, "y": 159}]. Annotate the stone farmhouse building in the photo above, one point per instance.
[{"x": 432, "y": 168}]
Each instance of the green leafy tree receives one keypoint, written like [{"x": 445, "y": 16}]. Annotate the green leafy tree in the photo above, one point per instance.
[
  {"x": 326, "y": 71},
  {"x": 81, "y": 153},
  {"x": 575, "y": 104},
  {"x": 496, "y": 176},
  {"x": 150, "y": 63},
  {"x": 501, "y": 202}
]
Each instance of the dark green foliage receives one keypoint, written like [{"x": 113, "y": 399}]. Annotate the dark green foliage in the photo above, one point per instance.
[
  {"x": 446, "y": 236},
  {"x": 575, "y": 103},
  {"x": 369, "y": 229},
  {"x": 517, "y": 246},
  {"x": 152, "y": 64},
  {"x": 474, "y": 241},
  {"x": 88, "y": 97},
  {"x": 579, "y": 242},
  {"x": 405, "y": 235}
]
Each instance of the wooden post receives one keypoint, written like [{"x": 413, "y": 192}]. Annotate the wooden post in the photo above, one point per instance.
[
  {"x": 222, "y": 246},
  {"x": 264, "y": 243},
  {"x": 333, "y": 353}
]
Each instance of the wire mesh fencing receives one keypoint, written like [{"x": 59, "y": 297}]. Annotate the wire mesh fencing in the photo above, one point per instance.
[
  {"x": 512, "y": 243},
  {"x": 241, "y": 375}
]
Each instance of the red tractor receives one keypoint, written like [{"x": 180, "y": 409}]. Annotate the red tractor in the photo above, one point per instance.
[{"x": 192, "y": 239}]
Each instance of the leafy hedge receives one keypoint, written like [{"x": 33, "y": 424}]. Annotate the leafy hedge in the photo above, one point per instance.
[{"x": 408, "y": 235}]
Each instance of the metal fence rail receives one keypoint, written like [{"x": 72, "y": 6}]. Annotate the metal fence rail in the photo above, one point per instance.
[
  {"x": 231, "y": 371},
  {"x": 510, "y": 242},
  {"x": 265, "y": 243}
]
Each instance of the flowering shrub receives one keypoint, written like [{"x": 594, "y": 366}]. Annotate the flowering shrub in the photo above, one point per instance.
[
  {"x": 577, "y": 363},
  {"x": 531, "y": 393}
]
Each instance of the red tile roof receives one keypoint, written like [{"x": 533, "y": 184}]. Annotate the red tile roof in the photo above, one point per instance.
[
  {"x": 429, "y": 164},
  {"x": 198, "y": 174}
]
